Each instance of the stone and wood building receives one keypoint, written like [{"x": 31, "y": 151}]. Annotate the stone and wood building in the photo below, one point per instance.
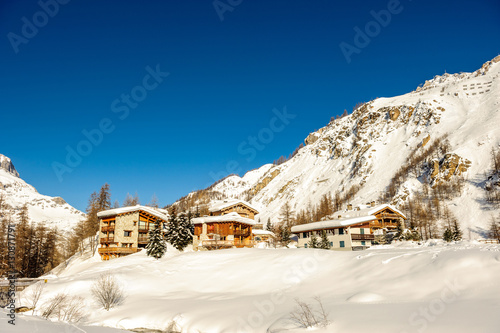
[
  {"x": 229, "y": 225},
  {"x": 352, "y": 229},
  {"x": 125, "y": 230}
]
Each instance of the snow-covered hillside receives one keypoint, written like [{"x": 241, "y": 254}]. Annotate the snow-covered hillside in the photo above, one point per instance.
[
  {"x": 52, "y": 211},
  {"x": 405, "y": 287},
  {"x": 370, "y": 145}
]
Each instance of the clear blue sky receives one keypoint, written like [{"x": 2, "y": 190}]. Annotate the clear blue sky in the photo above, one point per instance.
[{"x": 225, "y": 78}]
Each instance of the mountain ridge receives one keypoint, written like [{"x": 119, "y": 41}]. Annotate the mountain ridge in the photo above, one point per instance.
[{"x": 367, "y": 147}]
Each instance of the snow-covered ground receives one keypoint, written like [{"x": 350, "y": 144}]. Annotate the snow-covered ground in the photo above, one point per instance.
[{"x": 432, "y": 287}]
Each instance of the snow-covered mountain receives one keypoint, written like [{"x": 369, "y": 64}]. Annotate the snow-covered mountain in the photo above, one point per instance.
[
  {"x": 52, "y": 211},
  {"x": 368, "y": 147}
]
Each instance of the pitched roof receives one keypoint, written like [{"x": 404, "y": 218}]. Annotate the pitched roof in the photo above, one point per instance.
[
  {"x": 160, "y": 213},
  {"x": 262, "y": 232},
  {"x": 228, "y": 203},
  {"x": 365, "y": 211},
  {"x": 342, "y": 222},
  {"x": 231, "y": 217}
]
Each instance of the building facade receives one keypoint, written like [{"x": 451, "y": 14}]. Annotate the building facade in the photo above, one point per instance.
[
  {"x": 352, "y": 229},
  {"x": 229, "y": 225},
  {"x": 125, "y": 230}
]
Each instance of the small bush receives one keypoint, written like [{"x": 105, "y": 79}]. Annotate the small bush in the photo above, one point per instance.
[
  {"x": 305, "y": 316},
  {"x": 107, "y": 292}
]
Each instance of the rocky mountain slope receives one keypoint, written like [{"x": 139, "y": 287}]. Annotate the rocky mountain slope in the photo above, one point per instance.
[
  {"x": 369, "y": 146},
  {"x": 52, "y": 211}
]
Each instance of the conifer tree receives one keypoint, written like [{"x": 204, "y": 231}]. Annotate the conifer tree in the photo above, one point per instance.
[
  {"x": 324, "y": 243},
  {"x": 285, "y": 234},
  {"x": 448, "y": 235},
  {"x": 313, "y": 243},
  {"x": 457, "y": 233},
  {"x": 156, "y": 246},
  {"x": 494, "y": 231},
  {"x": 179, "y": 231},
  {"x": 269, "y": 226}
]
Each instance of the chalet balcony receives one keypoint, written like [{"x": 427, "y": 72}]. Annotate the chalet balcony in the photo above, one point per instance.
[
  {"x": 143, "y": 240},
  {"x": 117, "y": 250},
  {"x": 362, "y": 237},
  {"x": 245, "y": 232},
  {"x": 143, "y": 228},
  {"x": 107, "y": 240},
  {"x": 213, "y": 243},
  {"x": 383, "y": 225},
  {"x": 237, "y": 242},
  {"x": 108, "y": 228},
  {"x": 388, "y": 216}
]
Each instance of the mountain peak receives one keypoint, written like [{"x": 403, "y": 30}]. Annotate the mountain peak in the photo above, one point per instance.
[{"x": 7, "y": 165}]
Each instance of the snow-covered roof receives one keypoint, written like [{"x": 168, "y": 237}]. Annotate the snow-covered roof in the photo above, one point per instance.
[
  {"x": 228, "y": 203},
  {"x": 366, "y": 210},
  {"x": 122, "y": 210},
  {"x": 262, "y": 232},
  {"x": 342, "y": 222},
  {"x": 231, "y": 217}
]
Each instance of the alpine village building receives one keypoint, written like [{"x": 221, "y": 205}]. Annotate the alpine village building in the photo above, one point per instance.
[
  {"x": 228, "y": 225},
  {"x": 124, "y": 230},
  {"x": 352, "y": 229}
]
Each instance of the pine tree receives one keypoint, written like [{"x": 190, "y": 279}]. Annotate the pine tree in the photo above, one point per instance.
[
  {"x": 179, "y": 231},
  {"x": 448, "y": 235},
  {"x": 285, "y": 234},
  {"x": 494, "y": 231},
  {"x": 269, "y": 226},
  {"x": 313, "y": 243},
  {"x": 324, "y": 243},
  {"x": 457, "y": 233},
  {"x": 156, "y": 246}
]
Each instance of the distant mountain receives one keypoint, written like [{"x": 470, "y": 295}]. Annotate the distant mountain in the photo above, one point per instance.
[
  {"x": 368, "y": 147},
  {"x": 52, "y": 211}
]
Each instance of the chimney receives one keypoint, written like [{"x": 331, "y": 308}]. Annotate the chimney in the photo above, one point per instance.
[
  {"x": 349, "y": 206},
  {"x": 372, "y": 203}
]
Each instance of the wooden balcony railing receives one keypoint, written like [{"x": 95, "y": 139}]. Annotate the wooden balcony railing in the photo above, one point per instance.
[
  {"x": 107, "y": 240},
  {"x": 108, "y": 228},
  {"x": 143, "y": 240},
  {"x": 245, "y": 232},
  {"x": 362, "y": 237},
  {"x": 116, "y": 249}
]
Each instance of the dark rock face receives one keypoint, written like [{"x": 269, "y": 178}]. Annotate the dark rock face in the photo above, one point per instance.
[{"x": 6, "y": 164}]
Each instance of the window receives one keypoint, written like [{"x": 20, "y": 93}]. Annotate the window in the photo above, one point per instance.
[
  {"x": 362, "y": 231},
  {"x": 342, "y": 244},
  {"x": 305, "y": 245},
  {"x": 304, "y": 235},
  {"x": 127, "y": 233},
  {"x": 331, "y": 244},
  {"x": 341, "y": 232},
  {"x": 363, "y": 243}
]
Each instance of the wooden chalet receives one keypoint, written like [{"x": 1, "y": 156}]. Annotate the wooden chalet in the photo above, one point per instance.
[
  {"x": 125, "y": 230},
  {"x": 229, "y": 225},
  {"x": 352, "y": 229}
]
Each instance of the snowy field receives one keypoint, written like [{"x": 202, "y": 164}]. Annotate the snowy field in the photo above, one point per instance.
[{"x": 404, "y": 288}]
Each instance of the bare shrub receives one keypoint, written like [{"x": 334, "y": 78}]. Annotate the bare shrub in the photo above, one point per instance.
[
  {"x": 52, "y": 307},
  {"x": 107, "y": 292},
  {"x": 306, "y": 315},
  {"x": 35, "y": 293}
]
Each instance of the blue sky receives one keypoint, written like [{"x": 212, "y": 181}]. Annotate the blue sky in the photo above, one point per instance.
[{"x": 72, "y": 72}]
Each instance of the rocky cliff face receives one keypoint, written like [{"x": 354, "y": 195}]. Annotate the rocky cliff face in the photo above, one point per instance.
[
  {"x": 6, "y": 164},
  {"x": 368, "y": 147}
]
